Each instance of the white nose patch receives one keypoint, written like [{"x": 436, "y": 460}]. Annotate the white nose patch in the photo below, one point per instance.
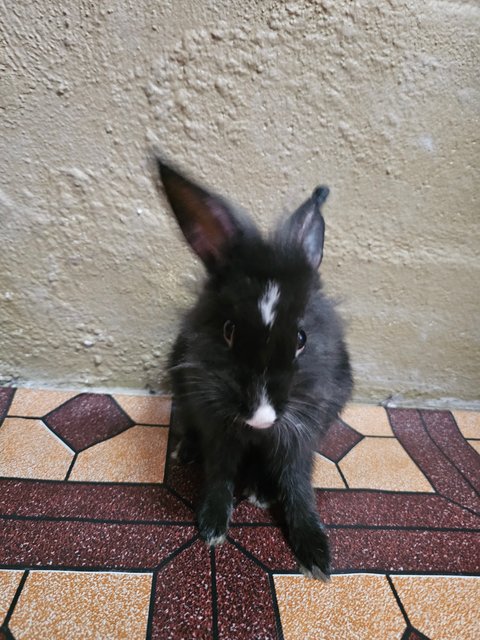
[{"x": 264, "y": 416}]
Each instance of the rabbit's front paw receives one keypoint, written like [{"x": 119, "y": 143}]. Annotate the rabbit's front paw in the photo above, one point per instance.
[
  {"x": 213, "y": 523},
  {"x": 186, "y": 452},
  {"x": 312, "y": 552}
]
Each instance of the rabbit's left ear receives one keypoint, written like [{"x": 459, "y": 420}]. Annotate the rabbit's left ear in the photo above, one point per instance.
[
  {"x": 306, "y": 227},
  {"x": 207, "y": 221}
]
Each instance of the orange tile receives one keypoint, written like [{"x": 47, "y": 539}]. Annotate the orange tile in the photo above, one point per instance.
[
  {"x": 325, "y": 474},
  {"x": 349, "y": 606},
  {"x": 468, "y": 423},
  {"x": 9, "y": 581},
  {"x": 441, "y": 607},
  {"x": 28, "y": 449},
  {"x": 382, "y": 463},
  {"x": 136, "y": 455},
  {"x": 367, "y": 419},
  {"x": 146, "y": 409},
  {"x": 475, "y": 444},
  {"x": 82, "y": 605},
  {"x": 36, "y": 403}
]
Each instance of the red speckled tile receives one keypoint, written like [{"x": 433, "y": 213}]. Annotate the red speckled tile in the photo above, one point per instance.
[
  {"x": 398, "y": 550},
  {"x": 244, "y": 599},
  {"x": 444, "y": 477},
  {"x": 87, "y": 419},
  {"x": 6, "y": 396},
  {"x": 266, "y": 544},
  {"x": 443, "y": 430},
  {"x": 186, "y": 480},
  {"x": 414, "y": 634},
  {"x": 182, "y": 605},
  {"x": 76, "y": 544},
  {"x": 338, "y": 441},
  {"x": 91, "y": 500},
  {"x": 376, "y": 508},
  {"x": 247, "y": 512}
]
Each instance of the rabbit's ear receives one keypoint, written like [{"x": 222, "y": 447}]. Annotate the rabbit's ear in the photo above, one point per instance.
[
  {"x": 206, "y": 220},
  {"x": 306, "y": 227}
]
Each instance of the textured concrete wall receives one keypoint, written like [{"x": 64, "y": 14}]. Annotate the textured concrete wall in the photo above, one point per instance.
[{"x": 262, "y": 100}]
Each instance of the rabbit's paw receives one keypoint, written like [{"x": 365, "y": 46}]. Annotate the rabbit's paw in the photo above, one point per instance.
[
  {"x": 213, "y": 523},
  {"x": 312, "y": 552},
  {"x": 258, "y": 501},
  {"x": 186, "y": 452}
]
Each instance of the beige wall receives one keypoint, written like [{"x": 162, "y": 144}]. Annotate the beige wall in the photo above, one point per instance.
[{"x": 262, "y": 100}]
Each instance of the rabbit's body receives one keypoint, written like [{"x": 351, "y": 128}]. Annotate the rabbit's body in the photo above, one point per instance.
[{"x": 259, "y": 369}]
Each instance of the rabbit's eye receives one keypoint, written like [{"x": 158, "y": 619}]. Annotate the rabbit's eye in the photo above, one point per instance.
[
  {"x": 228, "y": 331},
  {"x": 301, "y": 341}
]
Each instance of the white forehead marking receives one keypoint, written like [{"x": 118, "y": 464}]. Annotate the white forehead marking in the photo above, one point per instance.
[{"x": 268, "y": 303}]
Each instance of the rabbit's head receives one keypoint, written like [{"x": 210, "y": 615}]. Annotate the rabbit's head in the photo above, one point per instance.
[{"x": 253, "y": 343}]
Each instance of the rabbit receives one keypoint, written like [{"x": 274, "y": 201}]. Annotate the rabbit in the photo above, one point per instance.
[{"x": 259, "y": 369}]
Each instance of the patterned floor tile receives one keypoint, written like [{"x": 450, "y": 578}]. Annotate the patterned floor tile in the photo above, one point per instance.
[
  {"x": 338, "y": 441},
  {"x": 475, "y": 444},
  {"x": 90, "y": 500},
  {"x": 146, "y": 409},
  {"x": 404, "y": 550},
  {"x": 325, "y": 474},
  {"x": 72, "y": 544},
  {"x": 368, "y": 420},
  {"x": 6, "y": 396},
  {"x": 441, "y": 607},
  {"x": 185, "y": 479},
  {"x": 136, "y": 455},
  {"x": 468, "y": 422},
  {"x": 381, "y": 463},
  {"x": 87, "y": 419},
  {"x": 252, "y": 615},
  {"x": 126, "y": 508},
  {"x": 81, "y": 605},
  {"x": 182, "y": 609},
  {"x": 443, "y": 475},
  {"x": 267, "y": 545},
  {"x": 413, "y": 634},
  {"x": 246, "y": 512},
  {"x": 370, "y": 508},
  {"x": 443, "y": 430},
  {"x": 36, "y": 403},
  {"x": 350, "y": 606},
  {"x": 9, "y": 581},
  {"x": 29, "y": 450}
]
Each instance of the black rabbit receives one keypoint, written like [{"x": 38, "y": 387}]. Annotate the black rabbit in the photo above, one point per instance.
[{"x": 259, "y": 369}]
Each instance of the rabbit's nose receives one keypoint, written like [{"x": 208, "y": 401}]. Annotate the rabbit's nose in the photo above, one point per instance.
[{"x": 264, "y": 415}]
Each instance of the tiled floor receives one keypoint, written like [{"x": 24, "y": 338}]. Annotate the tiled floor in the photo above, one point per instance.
[{"x": 98, "y": 537}]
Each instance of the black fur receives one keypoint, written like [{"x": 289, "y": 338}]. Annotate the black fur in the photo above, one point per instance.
[{"x": 216, "y": 385}]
